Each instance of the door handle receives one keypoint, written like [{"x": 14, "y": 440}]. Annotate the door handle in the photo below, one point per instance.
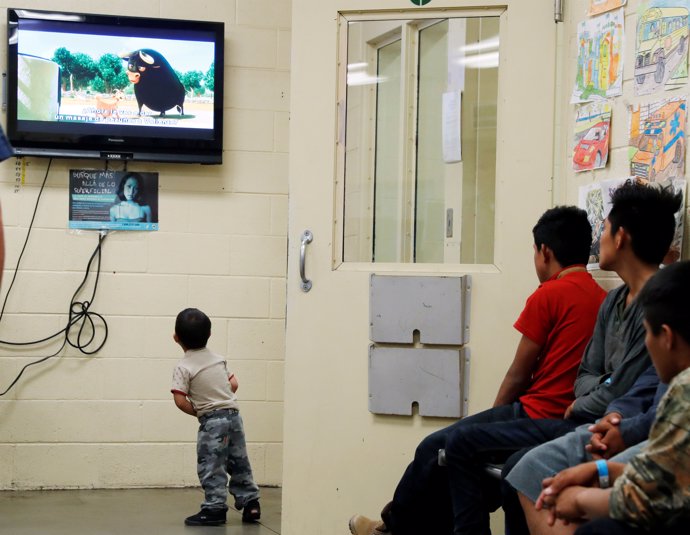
[{"x": 307, "y": 237}]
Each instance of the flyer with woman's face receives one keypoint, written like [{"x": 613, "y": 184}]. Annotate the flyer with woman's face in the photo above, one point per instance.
[{"x": 113, "y": 200}]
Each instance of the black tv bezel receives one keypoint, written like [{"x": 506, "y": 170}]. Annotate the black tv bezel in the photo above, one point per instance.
[{"x": 124, "y": 143}]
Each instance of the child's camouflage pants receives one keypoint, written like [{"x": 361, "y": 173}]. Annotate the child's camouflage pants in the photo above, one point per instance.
[{"x": 222, "y": 452}]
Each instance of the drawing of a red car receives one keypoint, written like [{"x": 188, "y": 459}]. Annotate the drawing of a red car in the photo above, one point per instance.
[{"x": 592, "y": 150}]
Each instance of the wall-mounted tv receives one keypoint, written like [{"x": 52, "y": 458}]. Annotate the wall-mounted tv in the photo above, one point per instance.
[{"x": 114, "y": 88}]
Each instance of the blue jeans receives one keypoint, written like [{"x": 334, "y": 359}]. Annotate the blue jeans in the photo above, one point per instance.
[
  {"x": 473, "y": 493},
  {"x": 221, "y": 452},
  {"x": 421, "y": 503}
]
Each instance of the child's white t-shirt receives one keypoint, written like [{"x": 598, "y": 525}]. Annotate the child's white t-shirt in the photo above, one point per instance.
[{"x": 203, "y": 377}]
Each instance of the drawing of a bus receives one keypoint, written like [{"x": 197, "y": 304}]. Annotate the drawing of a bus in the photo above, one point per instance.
[
  {"x": 661, "y": 141},
  {"x": 661, "y": 31}
]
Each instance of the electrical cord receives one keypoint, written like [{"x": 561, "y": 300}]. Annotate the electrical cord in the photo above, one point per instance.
[
  {"x": 79, "y": 316},
  {"x": 26, "y": 240}
]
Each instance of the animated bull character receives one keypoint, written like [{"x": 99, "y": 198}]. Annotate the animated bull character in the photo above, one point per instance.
[{"x": 156, "y": 84}]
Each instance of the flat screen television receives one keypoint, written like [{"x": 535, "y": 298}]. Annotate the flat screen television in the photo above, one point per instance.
[{"x": 114, "y": 88}]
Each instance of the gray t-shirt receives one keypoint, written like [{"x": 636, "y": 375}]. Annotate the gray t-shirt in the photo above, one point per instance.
[
  {"x": 614, "y": 359},
  {"x": 203, "y": 377}
]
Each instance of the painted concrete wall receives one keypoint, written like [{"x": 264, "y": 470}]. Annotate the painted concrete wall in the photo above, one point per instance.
[{"x": 108, "y": 420}]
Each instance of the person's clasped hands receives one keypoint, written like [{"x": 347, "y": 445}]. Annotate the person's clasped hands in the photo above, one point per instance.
[
  {"x": 606, "y": 440},
  {"x": 559, "y": 492}
]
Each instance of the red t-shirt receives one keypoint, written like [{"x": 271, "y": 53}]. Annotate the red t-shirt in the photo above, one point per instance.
[{"x": 559, "y": 316}]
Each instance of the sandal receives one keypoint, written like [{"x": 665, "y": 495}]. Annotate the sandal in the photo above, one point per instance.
[{"x": 251, "y": 511}]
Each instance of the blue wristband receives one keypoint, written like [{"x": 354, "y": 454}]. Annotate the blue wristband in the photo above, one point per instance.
[{"x": 603, "y": 470}]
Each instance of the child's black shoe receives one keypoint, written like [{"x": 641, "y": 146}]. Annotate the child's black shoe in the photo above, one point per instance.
[
  {"x": 251, "y": 511},
  {"x": 206, "y": 517}
]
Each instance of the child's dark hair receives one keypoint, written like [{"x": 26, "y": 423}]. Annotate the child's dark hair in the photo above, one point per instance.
[
  {"x": 193, "y": 328},
  {"x": 665, "y": 297},
  {"x": 647, "y": 213},
  {"x": 567, "y": 232}
]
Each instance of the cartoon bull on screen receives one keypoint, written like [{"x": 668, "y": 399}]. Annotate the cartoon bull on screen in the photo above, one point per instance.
[{"x": 156, "y": 84}]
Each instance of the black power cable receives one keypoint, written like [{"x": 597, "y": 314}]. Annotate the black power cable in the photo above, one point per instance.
[{"x": 80, "y": 318}]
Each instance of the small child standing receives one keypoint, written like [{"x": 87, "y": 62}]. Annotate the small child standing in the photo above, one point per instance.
[{"x": 202, "y": 387}]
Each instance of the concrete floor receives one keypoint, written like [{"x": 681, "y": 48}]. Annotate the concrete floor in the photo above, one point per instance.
[{"x": 114, "y": 512}]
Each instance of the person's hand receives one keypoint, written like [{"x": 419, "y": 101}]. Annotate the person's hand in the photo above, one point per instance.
[
  {"x": 585, "y": 474},
  {"x": 566, "y": 507},
  {"x": 606, "y": 421},
  {"x": 568, "y": 411},
  {"x": 606, "y": 439}
]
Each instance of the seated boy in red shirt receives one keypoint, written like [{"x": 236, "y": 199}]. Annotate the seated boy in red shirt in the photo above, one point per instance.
[{"x": 556, "y": 325}]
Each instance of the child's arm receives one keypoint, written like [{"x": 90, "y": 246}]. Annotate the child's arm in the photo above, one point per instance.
[
  {"x": 184, "y": 404},
  {"x": 581, "y": 475},
  {"x": 234, "y": 385},
  {"x": 576, "y": 504},
  {"x": 594, "y": 503},
  {"x": 519, "y": 374}
]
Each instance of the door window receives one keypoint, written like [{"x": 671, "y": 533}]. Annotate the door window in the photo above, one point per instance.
[{"x": 419, "y": 158}]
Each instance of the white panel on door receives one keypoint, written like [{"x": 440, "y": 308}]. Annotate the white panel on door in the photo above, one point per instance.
[
  {"x": 436, "y": 307},
  {"x": 431, "y": 378}
]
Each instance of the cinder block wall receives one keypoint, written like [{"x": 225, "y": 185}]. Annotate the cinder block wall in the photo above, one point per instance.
[{"x": 108, "y": 420}]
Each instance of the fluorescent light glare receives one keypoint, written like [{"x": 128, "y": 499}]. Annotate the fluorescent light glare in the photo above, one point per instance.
[
  {"x": 487, "y": 44},
  {"x": 480, "y": 61}
]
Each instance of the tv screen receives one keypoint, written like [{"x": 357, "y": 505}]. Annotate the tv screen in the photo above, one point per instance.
[{"x": 116, "y": 88}]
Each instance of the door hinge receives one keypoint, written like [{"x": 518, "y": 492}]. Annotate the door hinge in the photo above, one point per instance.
[{"x": 558, "y": 10}]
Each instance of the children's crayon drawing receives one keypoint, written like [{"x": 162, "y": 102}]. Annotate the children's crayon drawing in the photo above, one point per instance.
[
  {"x": 591, "y": 201},
  {"x": 657, "y": 139},
  {"x": 592, "y": 127},
  {"x": 599, "y": 58},
  {"x": 595, "y": 199},
  {"x": 661, "y": 46},
  {"x": 597, "y": 7},
  {"x": 674, "y": 252}
]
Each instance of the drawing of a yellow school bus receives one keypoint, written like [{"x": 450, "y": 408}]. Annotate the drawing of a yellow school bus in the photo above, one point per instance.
[{"x": 661, "y": 31}]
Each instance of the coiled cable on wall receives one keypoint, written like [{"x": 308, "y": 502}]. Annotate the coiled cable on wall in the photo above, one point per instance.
[{"x": 82, "y": 323}]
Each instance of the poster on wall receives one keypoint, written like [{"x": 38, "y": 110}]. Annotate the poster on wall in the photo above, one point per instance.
[
  {"x": 657, "y": 140},
  {"x": 113, "y": 200},
  {"x": 597, "y": 7},
  {"x": 661, "y": 46},
  {"x": 592, "y": 128},
  {"x": 599, "y": 58},
  {"x": 451, "y": 127}
]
